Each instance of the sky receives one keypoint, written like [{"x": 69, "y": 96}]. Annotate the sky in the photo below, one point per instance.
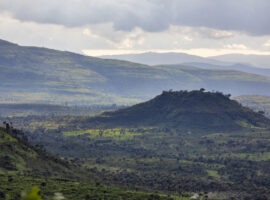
[{"x": 107, "y": 27}]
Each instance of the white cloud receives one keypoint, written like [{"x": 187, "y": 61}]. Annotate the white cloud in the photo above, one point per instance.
[
  {"x": 49, "y": 35},
  {"x": 89, "y": 33},
  {"x": 187, "y": 38},
  {"x": 236, "y": 46},
  {"x": 100, "y": 39},
  {"x": 222, "y": 34},
  {"x": 267, "y": 43}
]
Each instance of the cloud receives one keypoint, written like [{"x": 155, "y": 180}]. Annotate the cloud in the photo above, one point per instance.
[
  {"x": 102, "y": 38},
  {"x": 187, "y": 38},
  {"x": 235, "y": 46},
  {"x": 267, "y": 43},
  {"x": 249, "y": 16},
  {"x": 49, "y": 35}
]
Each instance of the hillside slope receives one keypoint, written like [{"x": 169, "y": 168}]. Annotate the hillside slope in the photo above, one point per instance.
[
  {"x": 17, "y": 156},
  {"x": 183, "y": 109},
  {"x": 40, "y": 75}
]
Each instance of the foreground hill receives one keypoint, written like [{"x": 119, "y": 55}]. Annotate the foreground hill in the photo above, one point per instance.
[
  {"x": 18, "y": 156},
  {"x": 23, "y": 166},
  {"x": 40, "y": 75},
  {"x": 186, "y": 110}
]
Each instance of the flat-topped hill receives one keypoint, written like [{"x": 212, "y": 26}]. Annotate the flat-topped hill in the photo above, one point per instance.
[{"x": 190, "y": 110}]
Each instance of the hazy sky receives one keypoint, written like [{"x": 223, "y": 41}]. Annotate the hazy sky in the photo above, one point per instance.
[{"x": 97, "y": 27}]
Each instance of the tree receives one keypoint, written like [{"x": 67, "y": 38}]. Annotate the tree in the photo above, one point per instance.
[
  {"x": 202, "y": 90},
  {"x": 261, "y": 112}
]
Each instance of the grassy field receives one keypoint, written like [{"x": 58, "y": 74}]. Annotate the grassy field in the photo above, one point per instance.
[{"x": 114, "y": 134}]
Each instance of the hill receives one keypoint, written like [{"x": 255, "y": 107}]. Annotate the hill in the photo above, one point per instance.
[
  {"x": 244, "y": 67},
  {"x": 19, "y": 157},
  {"x": 256, "y": 102},
  {"x": 153, "y": 58},
  {"x": 186, "y": 110},
  {"x": 261, "y": 61},
  {"x": 40, "y": 75}
]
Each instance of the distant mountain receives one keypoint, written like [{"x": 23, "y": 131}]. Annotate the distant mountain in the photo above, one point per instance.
[
  {"x": 237, "y": 66},
  {"x": 40, "y": 75},
  {"x": 12, "y": 110},
  {"x": 261, "y": 61},
  {"x": 186, "y": 110},
  {"x": 153, "y": 58},
  {"x": 250, "y": 64}
]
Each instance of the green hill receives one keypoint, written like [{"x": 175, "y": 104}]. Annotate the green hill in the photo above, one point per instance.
[
  {"x": 40, "y": 75},
  {"x": 199, "y": 110},
  {"x": 17, "y": 156}
]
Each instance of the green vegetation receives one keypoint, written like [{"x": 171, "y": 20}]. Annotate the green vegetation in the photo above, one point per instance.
[
  {"x": 25, "y": 169},
  {"x": 213, "y": 173},
  {"x": 183, "y": 142},
  {"x": 114, "y": 134},
  {"x": 34, "y": 194},
  {"x": 48, "y": 189},
  {"x": 17, "y": 156}
]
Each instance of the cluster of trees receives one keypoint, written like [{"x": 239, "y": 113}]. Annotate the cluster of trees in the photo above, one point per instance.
[{"x": 169, "y": 160}]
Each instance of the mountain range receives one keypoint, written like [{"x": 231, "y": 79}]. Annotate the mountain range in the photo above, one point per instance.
[
  {"x": 41, "y": 75},
  {"x": 257, "y": 64},
  {"x": 262, "y": 61}
]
